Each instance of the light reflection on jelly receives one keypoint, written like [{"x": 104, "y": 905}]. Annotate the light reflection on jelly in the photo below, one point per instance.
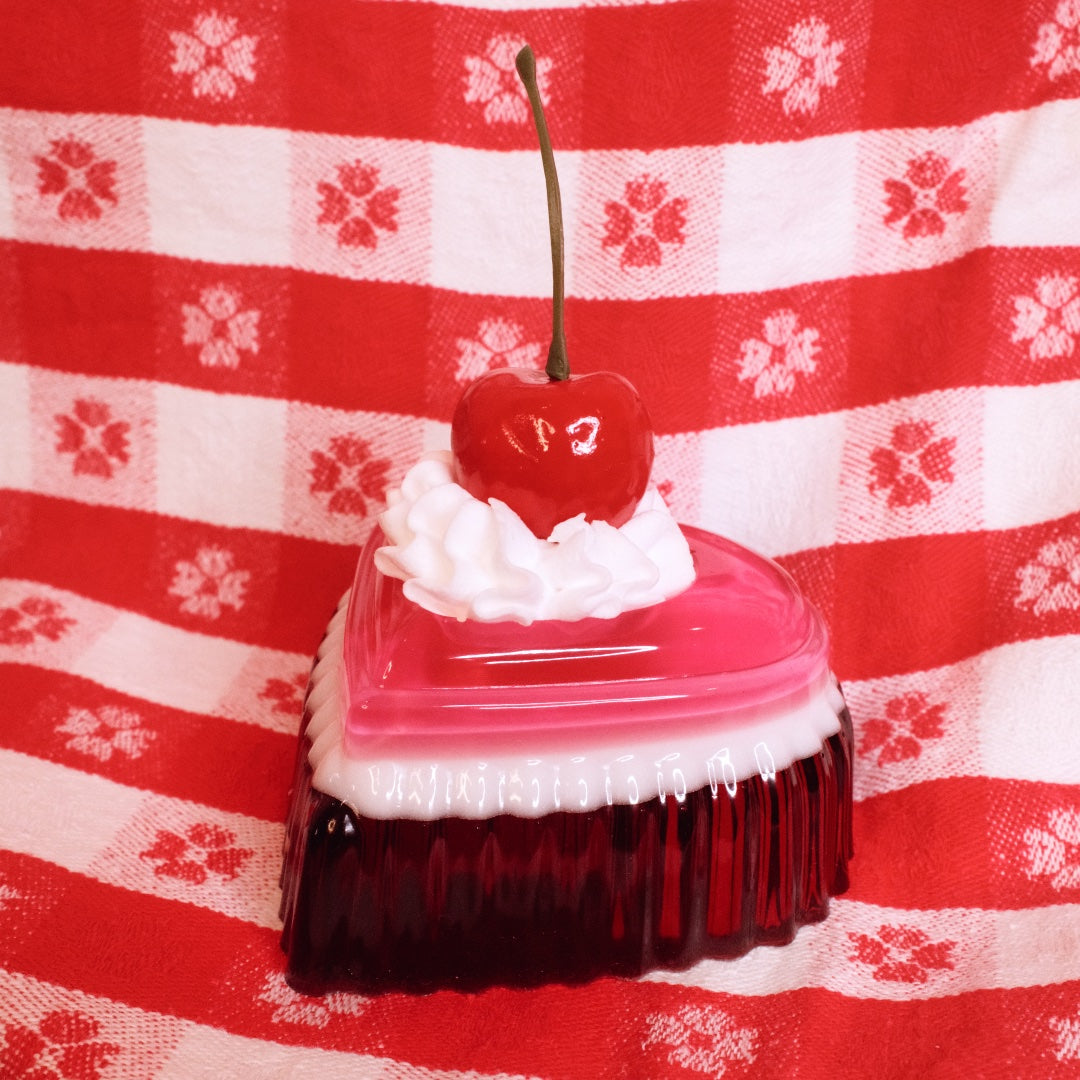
[{"x": 539, "y": 656}]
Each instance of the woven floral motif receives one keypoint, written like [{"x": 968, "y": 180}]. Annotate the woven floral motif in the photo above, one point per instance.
[
  {"x": 1053, "y": 850},
  {"x": 492, "y": 83},
  {"x": 64, "y": 1045},
  {"x": 221, "y": 327},
  {"x": 285, "y": 695},
  {"x": 498, "y": 343},
  {"x": 807, "y": 63},
  {"x": 209, "y": 583},
  {"x": 81, "y": 184},
  {"x": 1048, "y": 321},
  {"x": 36, "y": 617},
  {"x": 644, "y": 222},
  {"x": 96, "y": 441},
  {"x": 915, "y": 465},
  {"x": 350, "y": 473},
  {"x": 784, "y": 351},
  {"x": 903, "y": 954},
  {"x": 910, "y": 721},
  {"x": 931, "y": 194},
  {"x": 1056, "y": 51},
  {"x": 196, "y": 854},
  {"x": 1050, "y": 582},
  {"x": 702, "y": 1040},
  {"x": 358, "y": 207},
  {"x": 214, "y": 58},
  {"x": 105, "y": 733}
]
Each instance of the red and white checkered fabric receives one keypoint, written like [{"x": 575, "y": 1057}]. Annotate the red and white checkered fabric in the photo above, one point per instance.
[{"x": 249, "y": 251}]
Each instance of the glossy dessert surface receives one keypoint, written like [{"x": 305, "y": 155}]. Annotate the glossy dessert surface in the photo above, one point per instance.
[
  {"x": 741, "y": 637},
  {"x": 373, "y": 904},
  {"x": 495, "y": 804},
  {"x": 419, "y": 715}
]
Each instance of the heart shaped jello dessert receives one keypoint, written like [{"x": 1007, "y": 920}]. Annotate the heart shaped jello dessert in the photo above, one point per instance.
[{"x": 549, "y": 734}]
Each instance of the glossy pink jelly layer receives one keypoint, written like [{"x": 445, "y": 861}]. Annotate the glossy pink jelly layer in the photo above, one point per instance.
[
  {"x": 532, "y": 773},
  {"x": 371, "y": 904},
  {"x": 740, "y": 637}
]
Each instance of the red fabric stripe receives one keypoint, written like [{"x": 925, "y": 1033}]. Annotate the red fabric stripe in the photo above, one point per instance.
[
  {"x": 971, "y": 860},
  {"x": 145, "y": 951},
  {"x": 929, "y": 600},
  {"x": 926, "y": 601},
  {"x": 362, "y": 68},
  {"x": 880, "y": 337},
  {"x": 70, "y": 55},
  {"x": 651, "y": 77},
  {"x": 295, "y": 584},
  {"x": 632, "y": 85},
  {"x": 922, "y": 602},
  {"x": 807, "y": 1033},
  {"x": 173, "y": 760},
  {"x": 939, "y": 64},
  {"x": 350, "y": 342},
  {"x": 84, "y": 311},
  {"x": 962, "y": 845},
  {"x": 116, "y": 949}
]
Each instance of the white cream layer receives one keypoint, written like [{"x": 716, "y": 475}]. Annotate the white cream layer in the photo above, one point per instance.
[
  {"x": 622, "y": 770},
  {"x": 467, "y": 559}
]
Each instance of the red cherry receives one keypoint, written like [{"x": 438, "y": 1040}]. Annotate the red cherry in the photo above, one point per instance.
[
  {"x": 549, "y": 444},
  {"x": 552, "y": 449}
]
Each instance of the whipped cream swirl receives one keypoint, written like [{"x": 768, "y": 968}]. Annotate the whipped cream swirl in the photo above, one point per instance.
[{"x": 468, "y": 559}]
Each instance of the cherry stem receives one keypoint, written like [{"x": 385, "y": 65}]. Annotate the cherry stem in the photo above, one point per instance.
[{"x": 558, "y": 364}]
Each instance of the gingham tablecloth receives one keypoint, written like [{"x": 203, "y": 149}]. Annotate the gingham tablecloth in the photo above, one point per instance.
[{"x": 250, "y": 250}]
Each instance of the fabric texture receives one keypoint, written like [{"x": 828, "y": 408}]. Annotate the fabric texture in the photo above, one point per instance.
[{"x": 249, "y": 253}]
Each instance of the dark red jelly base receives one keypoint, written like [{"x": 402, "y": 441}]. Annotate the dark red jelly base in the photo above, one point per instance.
[{"x": 415, "y": 905}]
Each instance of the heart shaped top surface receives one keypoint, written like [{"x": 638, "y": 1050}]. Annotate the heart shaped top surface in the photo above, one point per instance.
[{"x": 742, "y": 638}]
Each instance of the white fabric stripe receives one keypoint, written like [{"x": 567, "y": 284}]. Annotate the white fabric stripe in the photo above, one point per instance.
[
  {"x": 16, "y": 470},
  {"x": 163, "y": 1046},
  {"x": 1005, "y": 714},
  {"x": 1003, "y": 711},
  {"x": 7, "y": 189},
  {"x": 94, "y": 826},
  {"x": 773, "y": 486},
  {"x": 1035, "y": 201},
  {"x": 249, "y": 213},
  {"x": 219, "y": 193},
  {"x": 236, "y": 460},
  {"x": 778, "y": 487},
  {"x": 1027, "y": 714},
  {"x": 484, "y": 237},
  {"x": 803, "y": 482},
  {"x": 143, "y": 1039},
  {"x": 220, "y": 457},
  {"x": 1030, "y": 450},
  {"x": 206, "y": 1053},
  {"x": 774, "y": 232},
  {"x": 58, "y": 814},
  {"x": 162, "y": 664},
  {"x": 978, "y": 950}
]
